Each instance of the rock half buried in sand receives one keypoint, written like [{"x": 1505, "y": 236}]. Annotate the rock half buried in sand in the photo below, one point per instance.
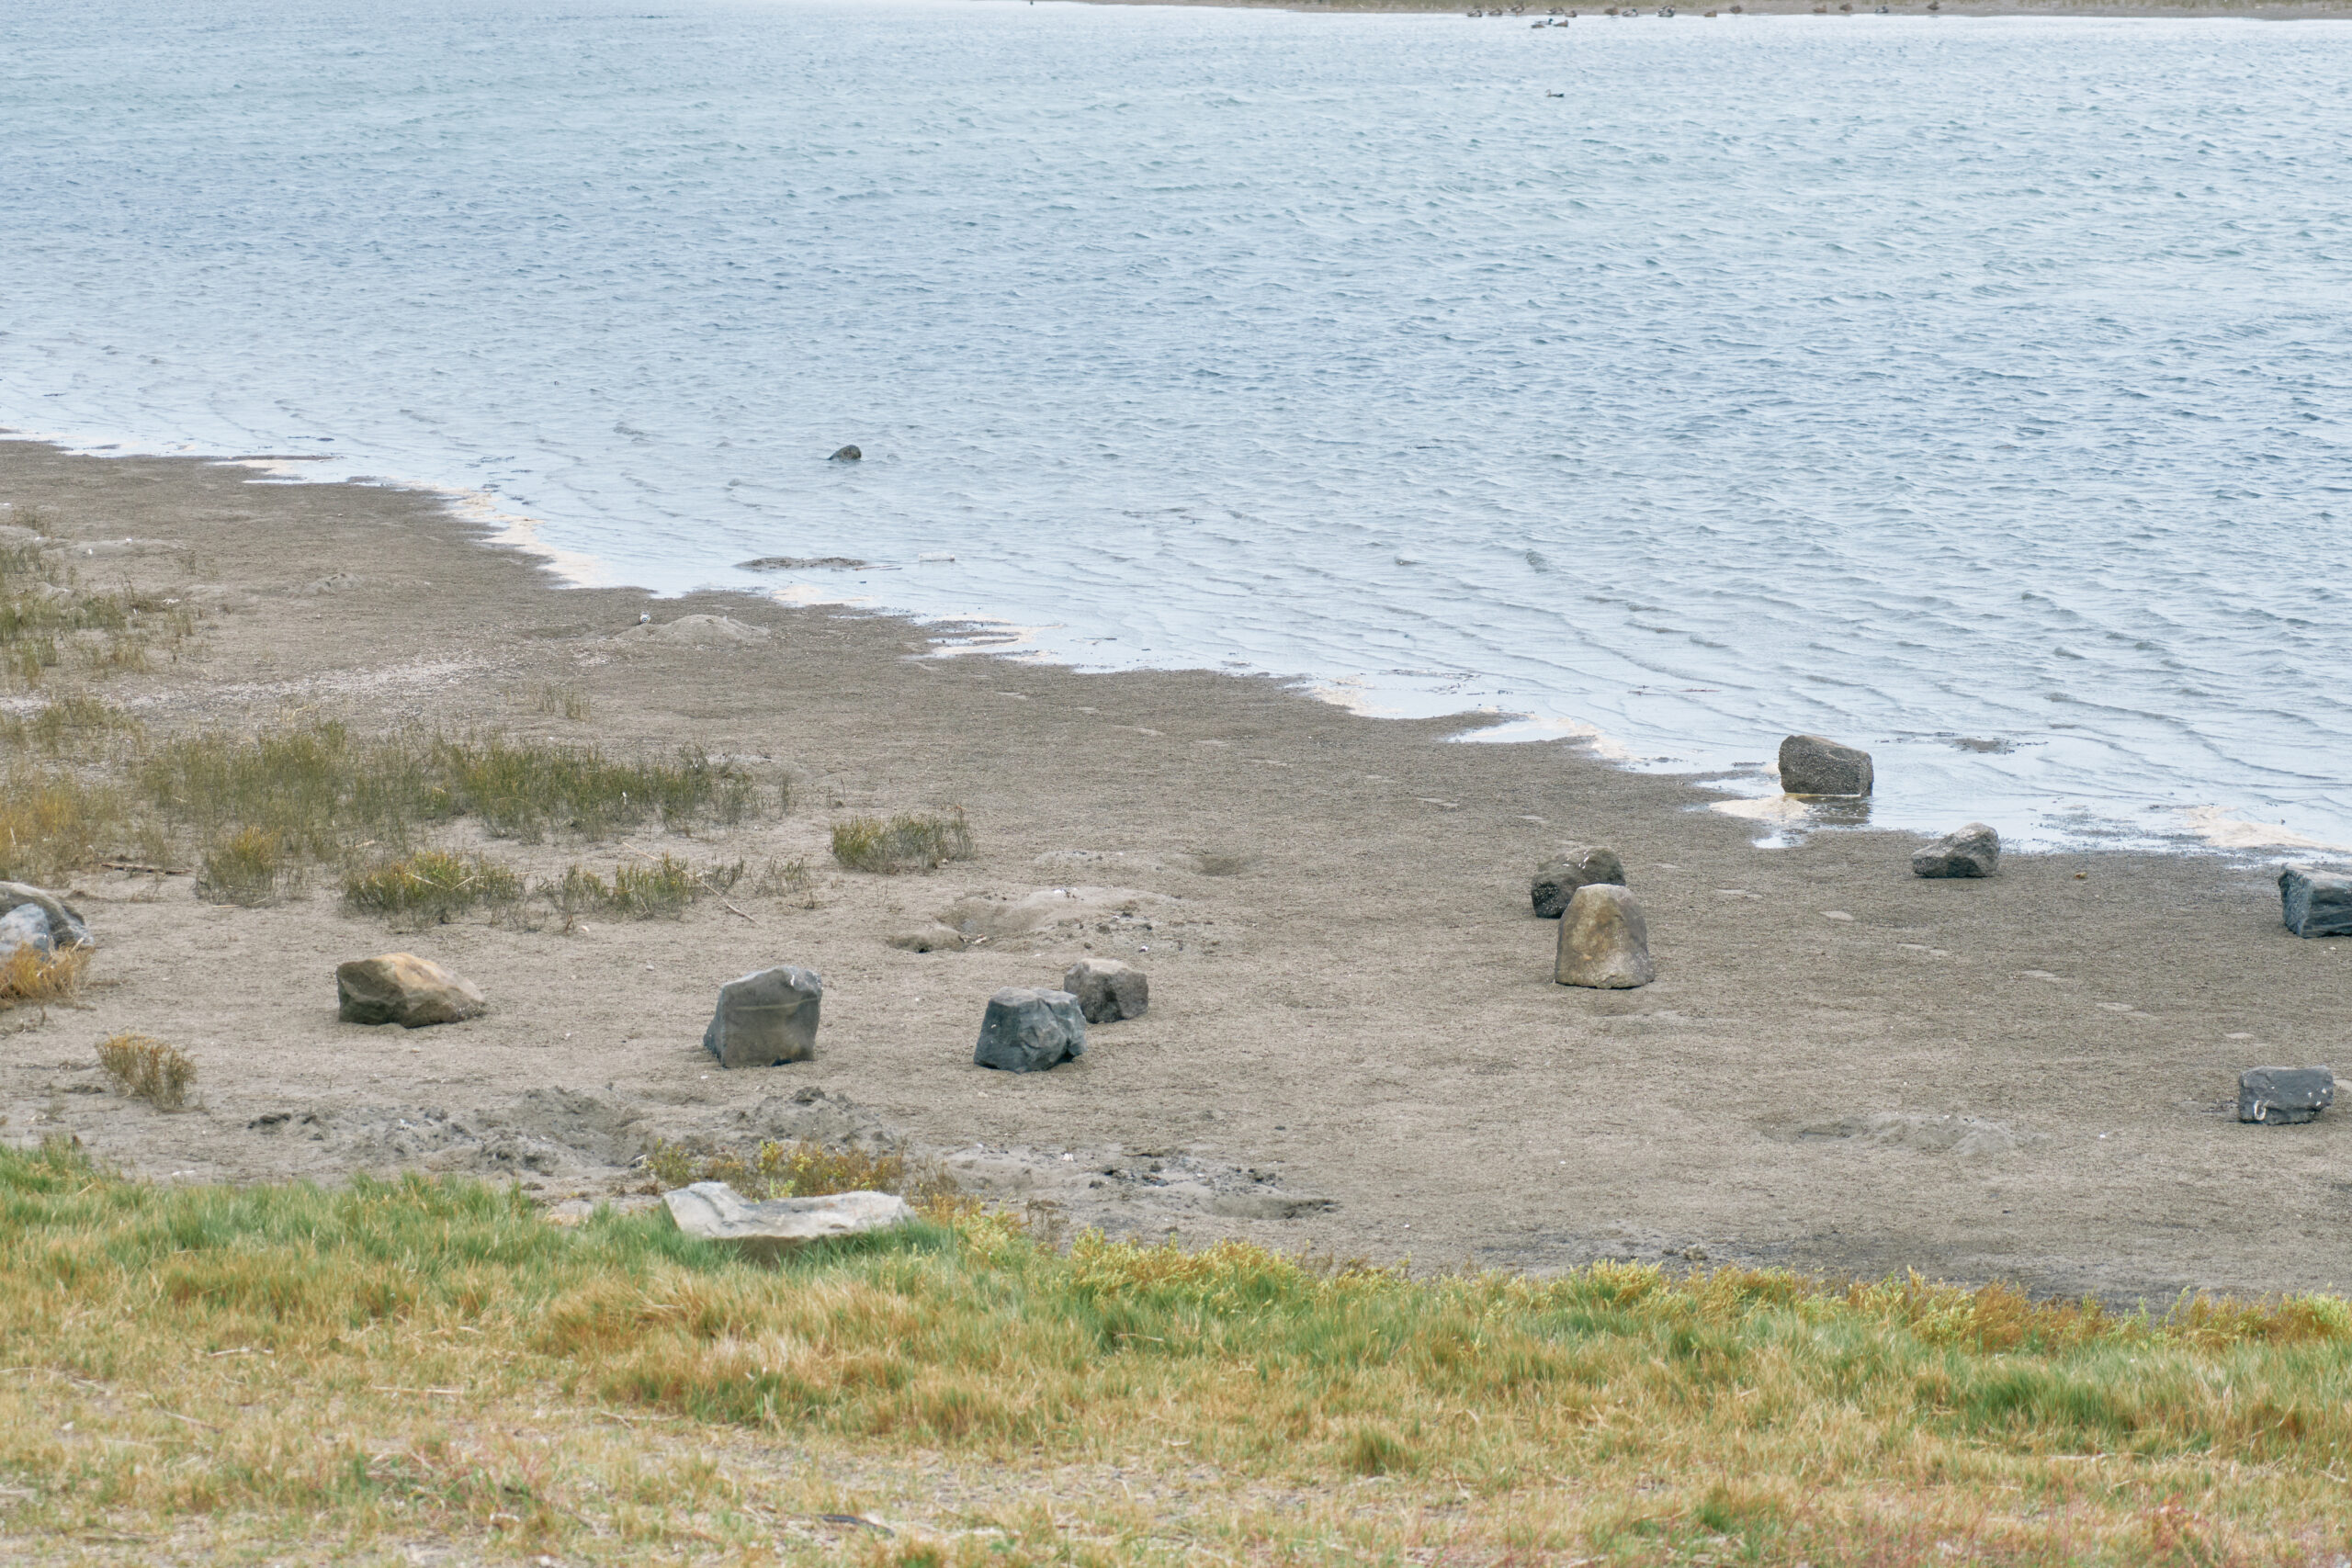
[
  {"x": 716, "y": 1212},
  {"x": 767, "y": 1017},
  {"x": 2314, "y": 903},
  {"x": 2280, "y": 1095},
  {"x": 66, "y": 928},
  {"x": 1568, "y": 868},
  {"x": 400, "y": 988},
  {"x": 1974, "y": 851},
  {"x": 1604, "y": 941},
  {"x": 1814, "y": 764},
  {"x": 1028, "y": 1030},
  {"x": 1107, "y": 990},
  {"x": 846, "y": 455}
]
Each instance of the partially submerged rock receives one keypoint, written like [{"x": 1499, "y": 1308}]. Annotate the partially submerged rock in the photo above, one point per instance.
[
  {"x": 1604, "y": 941},
  {"x": 713, "y": 1210},
  {"x": 400, "y": 988},
  {"x": 846, "y": 455},
  {"x": 66, "y": 926},
  {"x": 2283, "y": 1095},
  {"x": 1027, "y": 1029},
  {"x": 1107, "y": 990},
  {"x": 1568, "y": 868},
  {"x": 1972, "y": 851},
  {"x": 1814, "y": 764},
  {"x": 765, "y": 1019},
  {"x": 2312, "y": 903}
]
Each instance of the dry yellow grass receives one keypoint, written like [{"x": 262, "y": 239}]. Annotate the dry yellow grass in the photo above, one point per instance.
[
  {"x": 295, "y": 1375},
  {"x": 25, "y": 975},
  {"x": 146, "y": 1068}
]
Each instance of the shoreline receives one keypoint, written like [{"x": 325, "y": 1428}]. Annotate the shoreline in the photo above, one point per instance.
[{"x": 1354, "y": 1040}]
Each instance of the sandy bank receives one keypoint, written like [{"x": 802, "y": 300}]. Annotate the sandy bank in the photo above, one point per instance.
[{"x": 1354, "y": 1043}]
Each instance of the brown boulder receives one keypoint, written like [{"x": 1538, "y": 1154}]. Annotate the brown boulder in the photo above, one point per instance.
[{"x": 400, "y": 988}]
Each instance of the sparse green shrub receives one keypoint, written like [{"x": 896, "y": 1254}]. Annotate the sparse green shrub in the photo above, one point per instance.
[
  {"x": 250, "y": 867},
  {"x": 787, "y": 879},
  {"x": 72, "y": 726},
  {"x": 911, "y": 842},
  {"x": 432, "y": 886},
  {"x": 569, "y": 701},
  {"x": 146, "y": 1068},
  {"x": 640, "y": 891}
]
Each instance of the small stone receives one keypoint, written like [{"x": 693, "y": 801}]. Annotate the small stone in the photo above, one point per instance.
[
  {"x": 1604, "y": 941},
  {"x": 400, "y": 988},
  {"x": 2280, "y": 1095},
  {"x": 712, "y": 1210},
  {"x": 1028, "y": 1030},
  {"x": 1568, "y": 868},
  {"x": 932, "y": 939},
  {"x": 1974, "y": 851},
  {"x": 2314, "y": 903},
  {"x": 66, "y": 926},
  {"x": 1814, "y": 764},
  {"x": 767, "y": 1017},
  {"x": 846, "y": 455},
  {"x": 25, "y": 926},
  {"x": 1107, "y": 990}
]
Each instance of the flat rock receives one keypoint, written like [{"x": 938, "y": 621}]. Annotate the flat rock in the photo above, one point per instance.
[
  {"x": 1568, "y": 868},
  {"x": 1972, "y": 851},
  {"x": 712, "y": 1210},
  {"x": 400, "y": 988},
  {"x": 2281, "y": 1095},
  {"x": 66, "y": 926},
  {"x": 1107, "y": 990},
  {"x": 1604, "y": 941},
  {"x": 1028, "y": 1030},
  {"x": 2312, "y": 903},
  {"x": 767, "y": 1017},
  {"x": 1814, "y": 764}
]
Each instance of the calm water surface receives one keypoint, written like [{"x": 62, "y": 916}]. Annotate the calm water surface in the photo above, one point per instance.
[{"x": 1972, "y": 390}]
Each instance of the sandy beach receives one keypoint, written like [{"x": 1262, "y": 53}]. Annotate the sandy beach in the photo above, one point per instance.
[{"x": 1354, "y": 1043}]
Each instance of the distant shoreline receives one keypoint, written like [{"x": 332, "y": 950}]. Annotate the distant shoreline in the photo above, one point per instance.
[{"x": 2300, "y": 11}]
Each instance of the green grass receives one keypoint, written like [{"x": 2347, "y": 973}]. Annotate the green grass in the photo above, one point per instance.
[
  {"x": 251, "y": 866},
  {"x": 346, "y": 1375},
  {"x": 431, "y": 887},
  {"x": 911, "y": 842},
  {"x": 45, "y": 611}
]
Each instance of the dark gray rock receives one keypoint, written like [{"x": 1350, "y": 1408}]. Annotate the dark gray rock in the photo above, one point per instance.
[
  {"x": 766, "y": 1019},
  {"x": 2316, "y": 903},
  {"x": 1604, "y": 941},
  {"x": 2281, "y": 1095},
  {"x": 1107, "y": 990},
  {"x": 26, "y": 925},
  {"x": 1974, "y": 851},
  {"x": 66, "y": 926},
  {"x": 1027, "y": 1031},
  {"x": 1814, "y": 764},
  {"x": 1568, "y": 868},
  {"x": 846, "y": 455}
]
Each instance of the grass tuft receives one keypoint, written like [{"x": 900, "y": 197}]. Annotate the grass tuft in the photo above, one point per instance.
[
  {"x": 432, "y": 886},
  {"x": 912, "y": 841},
  {"x": 805, "y": 1169},
  {"x": 146, "y": 1068},
  {"x": 251, "y": 866},
  {"x": 787, "y": 879},
  {"x": 25, "y": 977},
  {"x": 644, "y": 891}
]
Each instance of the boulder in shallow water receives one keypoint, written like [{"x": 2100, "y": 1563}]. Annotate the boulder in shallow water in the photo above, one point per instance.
[
  {"x": 1568, "y": 868},
  {"x": 2281, "y": 1095},
  {"x": 1028, "y": 1030},
  {"x": 1814, "y": 764},
  {"x": 66, "y": 926},
  {"x": 400, "y": 988},
  {"x": 767, "y": 1017},
  {"x": 1972, "y": 850},
  {"x": 713, "y": 1210},
  {"x": 2316, "y": 903},
  {"x": 847, "y": 455},
  {"x": 1604, "y": 941},
  {"x": 1107, "y": 990}
]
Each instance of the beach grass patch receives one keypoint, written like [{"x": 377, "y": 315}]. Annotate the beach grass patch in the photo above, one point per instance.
[
  {"x": 251, "y": 866},
  {"x": 54, "y": 819},
  {"x": 432, "y": 886},
  {"x": 570, "y": 701},
  {"x": 787, "y": 879},
  {"x": 146, "y": 1068},
  {"x": 29, "y": 976},
  {"x": 920, "y": 840},
  {"x": 801, "y": 1168},
  {"x": 73, "y": 725},
  {"x": 639, "y": 890}
]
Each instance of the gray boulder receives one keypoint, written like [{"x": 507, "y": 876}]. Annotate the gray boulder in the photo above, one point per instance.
[
  {"x": 1604, "y": 941},
  {"x": 1107, "y": 990},
  {"x": 713, "y": 1210},
  {"x": 846, "y": 455},
  {"x": 1028, "y": 1030},
  {"x": 25, "y": 926},
  {"x": 2316, "y": 903},
  {"x": 767, "y": 1017},
  {"x": 2281, "y": 1095},
  {"x": 400, "y": 988},
  {"x": 66, "y": 926},
  {"x": 1568, "y": 868},
  {"x": 1814, "y": 764},
  {"x": 1974, "y": 851}
]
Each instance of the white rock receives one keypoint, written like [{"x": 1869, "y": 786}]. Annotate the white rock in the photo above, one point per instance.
[{"x": 716, "y": 1212}]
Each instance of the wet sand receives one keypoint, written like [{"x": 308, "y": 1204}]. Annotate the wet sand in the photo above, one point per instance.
[{"x": 1354, "y": 1043}]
